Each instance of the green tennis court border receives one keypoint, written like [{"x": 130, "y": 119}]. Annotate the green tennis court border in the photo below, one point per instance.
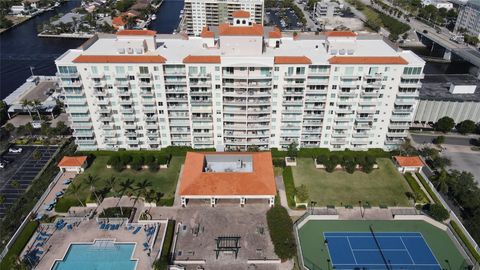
[{"x": 315, "y": 253}]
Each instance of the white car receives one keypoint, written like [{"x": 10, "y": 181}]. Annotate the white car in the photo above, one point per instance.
[
  {"x": 15, "y": 150},
  {"x": 2, "y": 165}
]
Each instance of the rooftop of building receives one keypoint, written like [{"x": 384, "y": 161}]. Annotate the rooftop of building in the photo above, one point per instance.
[
  {"x": 410, "y": 161},
  {"x": 436, "y": 87},
  {"x": 75, "y": 161},
  {"x": 227, "y": 173},
  {"x": 175, "y": 48}
]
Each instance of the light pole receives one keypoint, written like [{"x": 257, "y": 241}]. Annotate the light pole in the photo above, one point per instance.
[
  {"x": 31, "y": 70},
  {"x": 360, "y": 205},
  {"x": 328, "y": 263}
]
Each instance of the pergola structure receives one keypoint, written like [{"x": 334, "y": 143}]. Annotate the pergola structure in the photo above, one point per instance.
[
  {"x": 227, "y": 244},
  {"x": 222, "y": 176}
]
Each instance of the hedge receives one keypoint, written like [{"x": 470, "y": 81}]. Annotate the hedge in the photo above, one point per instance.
[
  {"x": 170, "y": 150},
  {"x": 315, "y": 152},
  {"x": 467, "y": 243},
  {"x": 429, "y": 190},
  {"x": 415, "y": 186},
  {"x": 163, "y": 262},
  {"x": 279, "y": 162},
  {"x": 19, "y": 244},
  {"x": 289, "y": 186},
  {"x": 114, "y": 212},
  {"x": 280, "y": 226}
]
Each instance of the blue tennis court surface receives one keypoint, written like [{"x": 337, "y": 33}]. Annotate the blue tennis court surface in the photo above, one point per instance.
[{"x": 383, "y": 250}]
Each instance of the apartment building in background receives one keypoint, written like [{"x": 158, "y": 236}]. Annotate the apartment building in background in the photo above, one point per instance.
[
  {"x": 327, "y": 9},
  {"x": 201, "y": 13},
  {"x": 237, "y": 86},
  {"x": 469, "y": 18}
]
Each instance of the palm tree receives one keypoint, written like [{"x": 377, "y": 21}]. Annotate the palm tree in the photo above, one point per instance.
[
  {"x": 125, "y": 186},
  {"x": 36, "y": 104},
  {"x": 26, "y": 104},
  {"x": 75, "y": 189},
  {"x": 110, "y": 184},
  {"x": 91, "y": 180},
  {"x": 442, "y": 181},
  {"x": 142, "y": 189}
]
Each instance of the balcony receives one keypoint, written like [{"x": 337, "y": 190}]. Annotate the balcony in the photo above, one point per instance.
[
  {"x": 178, "y": 115},
  {"x": 294, "y": 75},
  {"x": 107, "y": 127},
  {"x": 151, "y": 126},
  {"x": 146, "y": 93},
  {"x": 339, "y": 135},
  {"x": 175, "y": 72},
  {"x": 77, "y": 125},
  {"x": 132, "y": 141},
  {"x": 124, "y": 93},
  {"x": 67, "y": 75},
  {"x": 100, "y": 93},
  {"x": 122, "y": 84},
  {"x": 399, "y": 126},
  {"x": 126, "y": 110},
  {"x": 76, "y": 101},
  {"x": 104, "y": 110},
  {"x": 368, "y": 102},
  {"x": 338, "y": 141},
  {"x": 200, "y": 75},
  {"x": 375, "y": 76},
  {"x": 70, "y": 83},
  {"x": 149, "y": 101},
  {"x": 364, "y": 119},
  {"x": 349, "y": 77},
  {"x": 369, "y": 94},
  {"x": 175, "y": 82},
  {"x": 144, "y": 75},
  {"x": 408, "y": 94},
  {"x": 313, "y": 116},
  {"x": 362, "y": 135},
  {"x": 145, "y": 84},
  {"x": 293, "y": 102},
  {"x": 74, "y": 94},
  {"x": 125, "y": 102},
  {"x": 110, "y": 141},
  {"x": 178, "y": 108},
  {"x": 405, "y": 101},
  {"x": 85, "y": 142},
  {"x": 99, "y": 83},
  {"x": 343, "y": 118},
  {"x": 375, "y": 85},
  {"x": 83, "y": 109},
  {"x": 413, "y": 76},
  {"x": 410, "y": 85}
]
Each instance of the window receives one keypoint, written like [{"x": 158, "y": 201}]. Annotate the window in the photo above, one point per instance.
[
  {"x": 143, "y": 70},
  {"x": 94, "y": 70},
  {"x": 120, "y": 70},
  {"x": 349, "y": 70}
]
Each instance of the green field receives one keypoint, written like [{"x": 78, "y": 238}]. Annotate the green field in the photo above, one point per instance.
[
  {"x": 383, "y": 186},
  {"x": 164, "y": 180},
  {"x": 315, "y": 253}
]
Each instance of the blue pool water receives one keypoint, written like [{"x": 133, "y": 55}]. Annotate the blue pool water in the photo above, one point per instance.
[{"x": 91, "y": 257}]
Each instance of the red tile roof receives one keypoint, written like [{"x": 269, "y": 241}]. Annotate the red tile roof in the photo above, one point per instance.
[
  {"x": 292, "y": 60},
  {"x": 241, "y": 14},
  {"x": 118, "y": 21},
  {"x": 340, "y": 34},
  {"x": 207, "y": 59},
  {"x": 226, "y": 29},
  {"x": 136, "y": 33},
  {"x": 206, "y": 33},
  {"x": 414, "y": 161},
  {"x": 194, "y": 181},
  {"x": 119, "y": 59},
  {"x": 275, "y": 33},
  {"x": 72, "y": 161},
  {"x": 380, "y": 60}
]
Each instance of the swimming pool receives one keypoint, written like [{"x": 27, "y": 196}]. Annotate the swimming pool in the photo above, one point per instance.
[{"x": 105, "y": 255}]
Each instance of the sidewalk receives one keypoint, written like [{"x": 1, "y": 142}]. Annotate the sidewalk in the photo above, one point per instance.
[{"x": 283, "y": 198}]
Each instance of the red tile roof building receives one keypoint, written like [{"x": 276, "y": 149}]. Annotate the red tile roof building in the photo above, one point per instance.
[{"x": 199, "y": 182}]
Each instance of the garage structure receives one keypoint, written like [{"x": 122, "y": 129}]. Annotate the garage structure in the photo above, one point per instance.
[
  {"x": 408, "y": 164},
  {"x": 73, "y": 164},
  {"x": 218, "y": 176}
]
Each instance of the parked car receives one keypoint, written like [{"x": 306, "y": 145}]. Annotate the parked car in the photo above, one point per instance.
[
  {"x": 49, "y": 207},
  {"x": 36, "y": 124},
  {"x": 4, "y": 160},
  {"x": 2, "y": 165},
  {"x": 67, "y": 181},
  {"x": 15, "y": 150},
  {"x": 59, "y": 194}
]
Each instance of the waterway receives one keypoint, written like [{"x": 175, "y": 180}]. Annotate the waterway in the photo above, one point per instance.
[{"x": 20, "y": 48}]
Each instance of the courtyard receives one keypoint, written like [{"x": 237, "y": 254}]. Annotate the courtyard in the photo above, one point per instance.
[
  {"x": 163, "y": 180},
  {"x": 383, "y": 186}
]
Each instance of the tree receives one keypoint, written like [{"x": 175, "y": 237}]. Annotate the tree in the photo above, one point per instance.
[
  {"x": 75, "y": 190},
  {"x": 439, "y": 140},
  {"x": 91, "y": 180},
  {"x": 142, "y": 188},
  {"x": 26, "y": 105},
  {"x": 444, "y": 124},
  {"x": 301, "y": 193},
  {"x": 441, "y": 162},
  {"x": 9, "y": 127},
  {"x": 125, "y": 186},
  {"x": 467, "y": 126},
  {"x": 36, "y": 104},
  {"x": 61, "y": 129},
  {"x": 441, "y": 181},
  {"x": 349, "y": 164},
  {"x": 280, "y": 226},
  {"x": 292, "y": 150},
  {"x": 2, "y": 199},
  {"x": 136, "y": 163},
  {"x": 36, "y": 155},
  {"x": 110, "y": 183}
]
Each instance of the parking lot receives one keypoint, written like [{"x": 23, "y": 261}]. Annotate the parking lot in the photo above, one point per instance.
[
  {"x": 290, "y": 22},
  {"x": 20, "y": 172}
]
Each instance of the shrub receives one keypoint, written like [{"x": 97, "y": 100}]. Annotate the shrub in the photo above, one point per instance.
[
  {"x": 148, "y": 158},
  {"x": 439, "y": 140},
  {"x": 322, "y": 159},
  {"x": 301, "y": 193},
  {"x": 136, "y": 163},
  {"x": 279, "y": 162},
  {"x": 349, "y": 164},
  {"x": 153, "y": 166},
  {"x": 467, "y": 243},
  {"x": 437, "y": 211},
  {"x": 163, "y": 159},
  {"x": 19, "y": 244},
  {"x": 64, "y": 204},
  {"x": 360, "y": 160},
  {"x": 289, "y": 186},
  {"x": 280, "y": 227},
  {"x": 125, "y": 158},
  {"x": 114, "y": 212}
]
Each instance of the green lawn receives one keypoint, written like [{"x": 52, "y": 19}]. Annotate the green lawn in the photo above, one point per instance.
[
  {"x": 315, "y": 253},
  {"x": 19, "y": 245},
  {"x": 383, "y": 186},
  {"x": 164, "y": 180}
]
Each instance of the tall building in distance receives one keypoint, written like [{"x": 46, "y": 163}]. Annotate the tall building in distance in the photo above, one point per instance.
[
  {"x": 201, "y": 13},
  {"x": 469, "y": 18},
  {"x": 237, "y": 86}
]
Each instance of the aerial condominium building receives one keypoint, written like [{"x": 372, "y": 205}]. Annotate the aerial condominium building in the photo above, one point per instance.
[
  {"x": 237, "y": 86},
  {"x": 469, "y": 18},
  {"x": 201, "y": 13}
]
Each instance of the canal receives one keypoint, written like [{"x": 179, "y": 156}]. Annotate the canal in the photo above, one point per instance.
[{"x": 20, "y": 48}]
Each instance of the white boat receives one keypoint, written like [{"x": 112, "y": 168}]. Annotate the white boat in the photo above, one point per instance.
[
  {"x": 154, "y": 17},
  {"x": 181, "y": 11},
  {"x": 56, "y": 4}
]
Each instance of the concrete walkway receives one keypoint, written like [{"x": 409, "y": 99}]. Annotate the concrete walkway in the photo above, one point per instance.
[{"x": 283, "y": 198}]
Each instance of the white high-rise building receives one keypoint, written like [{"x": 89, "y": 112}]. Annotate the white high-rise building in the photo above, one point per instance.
[
  {"x": 201, "y": 13},
  {"x": 239, "y": 86},
  {"x": 469, "y": 18}
]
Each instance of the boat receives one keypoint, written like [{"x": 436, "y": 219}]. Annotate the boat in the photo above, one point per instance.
[
  {"x": 154, "y": 17},
  {"x": 56, "y": 4}
]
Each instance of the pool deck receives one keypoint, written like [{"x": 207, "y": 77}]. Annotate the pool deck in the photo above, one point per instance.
[{"x": 86, "y": 232}]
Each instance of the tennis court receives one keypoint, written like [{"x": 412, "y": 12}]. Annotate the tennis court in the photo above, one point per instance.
[{"x": 380, "y": 250}]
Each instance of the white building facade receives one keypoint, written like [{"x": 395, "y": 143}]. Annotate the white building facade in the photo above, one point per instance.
[
  {"x": 201, "y": 13},
  {"x": 327, "y": 9},
  {"x": 245, "y": 86},
  {"x": 469, "y": 18}
]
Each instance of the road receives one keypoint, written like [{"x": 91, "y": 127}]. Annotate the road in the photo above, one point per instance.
[{"x": 453, "y": 140}]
